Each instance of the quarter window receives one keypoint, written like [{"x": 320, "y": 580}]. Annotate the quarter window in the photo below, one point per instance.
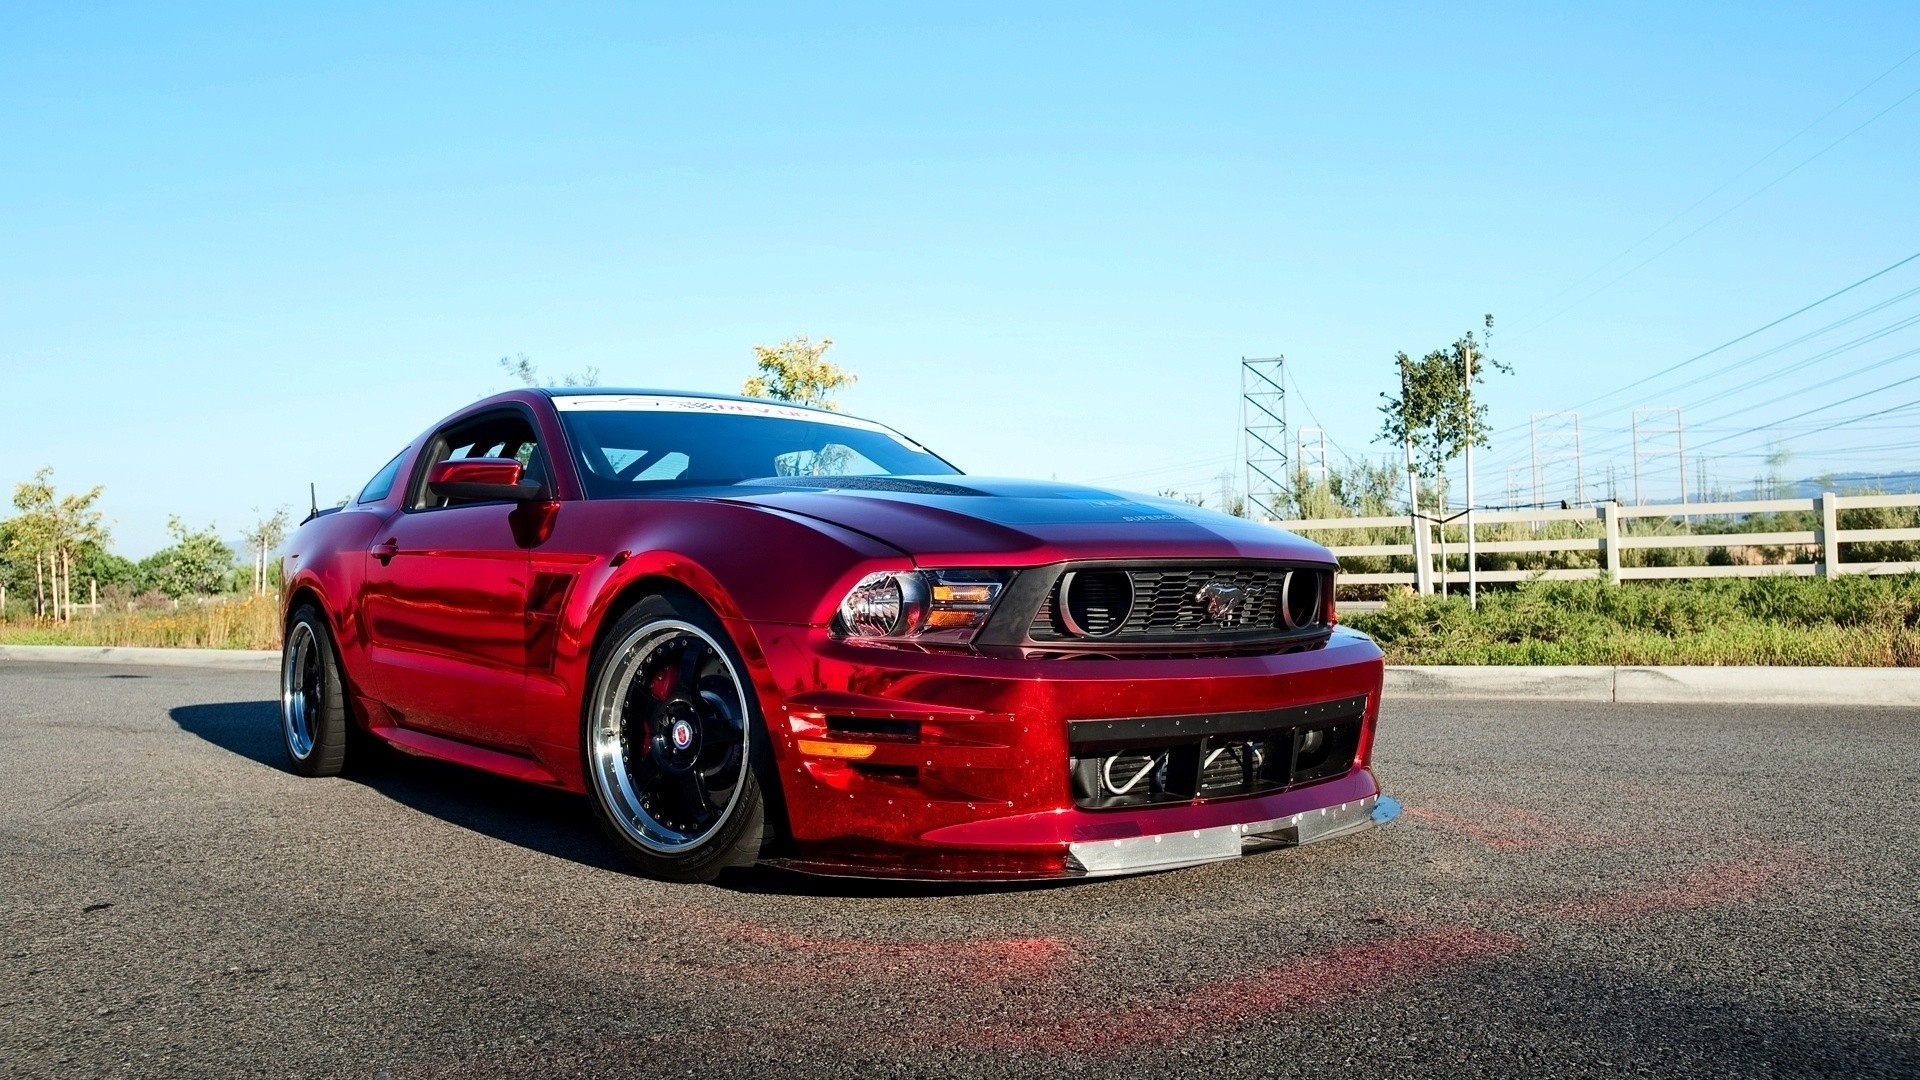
[{"x": 381, "y": 485}]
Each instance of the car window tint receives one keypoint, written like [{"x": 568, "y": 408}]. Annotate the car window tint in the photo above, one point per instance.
[
  {"x": 626, "y": 453},
  {"x": 382, "y": 483},
  {"x": 833, "y": 459}
]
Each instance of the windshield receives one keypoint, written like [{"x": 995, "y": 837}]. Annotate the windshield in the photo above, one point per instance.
[{"x": 631, "y": 444}]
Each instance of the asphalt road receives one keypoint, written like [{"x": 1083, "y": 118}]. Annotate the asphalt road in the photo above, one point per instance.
[{"x": 1574, "y": 890}]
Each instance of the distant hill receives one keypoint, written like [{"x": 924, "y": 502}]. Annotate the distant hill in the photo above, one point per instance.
[{"x": 1898, "y": 483}]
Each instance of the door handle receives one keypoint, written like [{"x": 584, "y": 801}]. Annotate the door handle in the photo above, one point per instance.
[{"x": 386, "y": 550}]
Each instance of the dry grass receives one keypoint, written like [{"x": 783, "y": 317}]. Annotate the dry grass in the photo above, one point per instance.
[
  {"x": 1851, "y": 622},
  {"x": 241, "y": 623}
]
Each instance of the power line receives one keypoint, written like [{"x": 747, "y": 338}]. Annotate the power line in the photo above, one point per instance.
[
  {"x": 1824, "y": 408},
  {"x": 1817, "y": 456},
  {"x": 1611, "y": 442},
  {"x": 1810, "y": 335},
  {"x": 1703, "y": 225},
  {"x": 1875, "y": 366},
  {"x": 1816, "y": 427},
  {"x": 1762, "y": 159},
  {"x": 1735, "y": 341},
  {"x": 1310, "y": 415},
  {"x": 1893, "y": 409}
]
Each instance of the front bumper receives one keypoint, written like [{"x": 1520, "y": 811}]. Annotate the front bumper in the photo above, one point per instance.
[
  {"x": 923, "y": 765},
  {"x": 1170, "y": 851}
]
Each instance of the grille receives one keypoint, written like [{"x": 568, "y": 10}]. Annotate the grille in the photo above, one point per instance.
[
  {"x": 1107, "y": 777},
  {"x": 1160, "y": 760},
  {"x": 1231, "y": 767},
  {"x": 1179, "y": 603}
]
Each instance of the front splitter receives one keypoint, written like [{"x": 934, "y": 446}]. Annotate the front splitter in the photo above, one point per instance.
[{"x": 1170, "y": 851}]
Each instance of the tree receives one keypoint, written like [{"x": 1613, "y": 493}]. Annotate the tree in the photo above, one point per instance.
[
  {"x": 98, "y": 565},
  {"x": 797, "y": 370},
  {"x": 197, "y": 563},
  {"x": 53, "y": 529},
  {"x": 266, "y": 535},
  {"x": 525, "y": 370},
  {"x": 1435, "y": 410}
]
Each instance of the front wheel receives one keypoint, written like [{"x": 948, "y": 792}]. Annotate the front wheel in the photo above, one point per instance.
[
  {"x": 670, "y": 736},
  {"x": 313, "y": 700}
]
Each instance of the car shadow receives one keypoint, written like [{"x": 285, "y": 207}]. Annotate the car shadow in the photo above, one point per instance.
[{"x": 539, "y": 819}]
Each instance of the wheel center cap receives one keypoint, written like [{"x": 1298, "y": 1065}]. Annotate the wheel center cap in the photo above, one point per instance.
[{"x": 682, "y": 734}]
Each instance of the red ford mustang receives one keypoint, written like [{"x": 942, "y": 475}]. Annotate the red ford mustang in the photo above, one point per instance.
[{"x": 749, "y": 631}]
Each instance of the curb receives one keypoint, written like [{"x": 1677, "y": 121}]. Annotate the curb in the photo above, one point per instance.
[
  {"x": 231, "y": 659},
  {"x": 1663, "y": 685},
  {"x": 1625, "y": 685}
]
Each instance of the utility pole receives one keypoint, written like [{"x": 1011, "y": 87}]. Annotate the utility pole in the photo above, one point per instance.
[
  {"x": 1422, "y": 565},
  {"x": 1263, "y": 429},
  {"x": 1310, "y": 455},
  {"x": 1556, "y": 438},
  {"x": 1645, "y": 428},
  {"x": 1473, "y": 571}
]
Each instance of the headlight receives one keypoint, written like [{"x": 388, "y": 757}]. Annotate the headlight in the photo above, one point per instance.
[{"x": 920, "y": 605}]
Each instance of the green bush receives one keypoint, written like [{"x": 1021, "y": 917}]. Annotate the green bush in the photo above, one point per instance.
[{"x": 1851, "y": 621}]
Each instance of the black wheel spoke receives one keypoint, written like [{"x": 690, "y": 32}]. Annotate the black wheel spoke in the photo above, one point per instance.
[
  {"x": 696, "y": 804},
  {"x": 643, "y": 772},
  {"x": 692, "y": 658},
  {"x": 719, "y": 779}
]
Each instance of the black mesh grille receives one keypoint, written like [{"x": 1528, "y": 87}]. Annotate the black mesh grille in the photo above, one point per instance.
[
  {"x": 1180, "y": 759},
  {"x": 1170, "y": 600},
  {"x": 1190, "y": 603},
  {"x": 1231, "y": 767}
]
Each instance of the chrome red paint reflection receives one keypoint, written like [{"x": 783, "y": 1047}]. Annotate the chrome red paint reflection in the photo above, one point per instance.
[{"x": 466, "y": 627}]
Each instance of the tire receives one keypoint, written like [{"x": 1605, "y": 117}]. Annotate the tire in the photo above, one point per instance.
[
  {"x": 314, "y": 725},
  {"x": 674, "y": 748}
]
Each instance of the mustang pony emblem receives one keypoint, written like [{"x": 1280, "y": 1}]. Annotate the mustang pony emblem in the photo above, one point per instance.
[{"x": 1224, "y": 601}]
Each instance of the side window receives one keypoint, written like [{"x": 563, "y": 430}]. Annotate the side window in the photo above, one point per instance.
[
  {"x": 382, "y": 483},
  {"x": 496, "y": 435}
]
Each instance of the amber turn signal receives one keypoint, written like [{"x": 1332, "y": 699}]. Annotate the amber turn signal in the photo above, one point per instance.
[{"x": 851, "y": 751}]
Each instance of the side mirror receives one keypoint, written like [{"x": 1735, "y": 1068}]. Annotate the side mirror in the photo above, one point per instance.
[{"x": 482, "y": 480}]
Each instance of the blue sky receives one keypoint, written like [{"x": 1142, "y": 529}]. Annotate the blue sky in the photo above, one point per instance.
[{"x": 248, "y": 246}]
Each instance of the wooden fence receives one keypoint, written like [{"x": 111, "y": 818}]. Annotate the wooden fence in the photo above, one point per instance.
[{"x": 1615, "y": 537}]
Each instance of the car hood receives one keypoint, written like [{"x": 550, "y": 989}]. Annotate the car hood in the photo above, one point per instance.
[{"x": 939, "y": 519}]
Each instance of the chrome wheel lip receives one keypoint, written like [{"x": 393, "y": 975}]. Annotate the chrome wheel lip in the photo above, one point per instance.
[
  {"x": 299, "y": 694},
  {"x": 606, "y": 760}
]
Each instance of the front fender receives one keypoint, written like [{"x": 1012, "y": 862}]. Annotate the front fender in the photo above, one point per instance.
[
  {"x": 748, "y": 564},
  {"x": 327, "y": 557}
]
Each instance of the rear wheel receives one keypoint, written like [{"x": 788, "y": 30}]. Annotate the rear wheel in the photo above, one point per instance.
[
  {"x": 670, "y": 736},
  {"x": 313, "y": 700}
]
